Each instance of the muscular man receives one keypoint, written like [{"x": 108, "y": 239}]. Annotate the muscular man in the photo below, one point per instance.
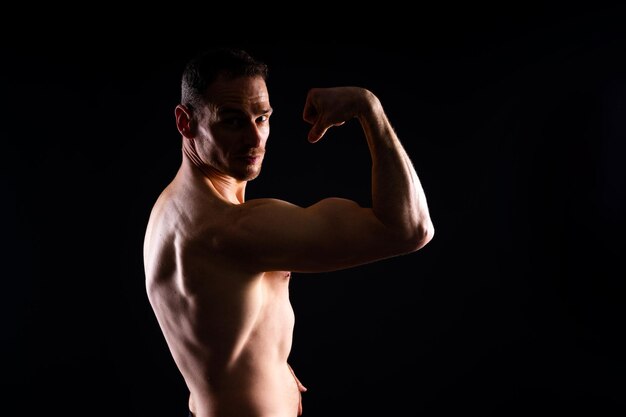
[{"x": 218, "y": 267}]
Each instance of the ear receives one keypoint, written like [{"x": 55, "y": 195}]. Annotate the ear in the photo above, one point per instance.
[{"x": 185, "y": 122}]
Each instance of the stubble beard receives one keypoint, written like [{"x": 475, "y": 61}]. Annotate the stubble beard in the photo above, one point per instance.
[{"x": 250, "y": 173}]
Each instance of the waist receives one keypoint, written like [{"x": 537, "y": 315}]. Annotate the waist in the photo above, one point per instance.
[{"x": 247, "y": 390}]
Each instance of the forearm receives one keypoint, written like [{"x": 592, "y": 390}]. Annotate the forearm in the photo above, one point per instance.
[{"x": 398, "y": 198}]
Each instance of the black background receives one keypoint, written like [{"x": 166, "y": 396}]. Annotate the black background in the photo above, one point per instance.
[{"x": 516, "y": 123}]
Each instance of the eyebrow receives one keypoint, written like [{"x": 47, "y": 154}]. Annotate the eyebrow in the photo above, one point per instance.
[{"x": 233, "y": 110}]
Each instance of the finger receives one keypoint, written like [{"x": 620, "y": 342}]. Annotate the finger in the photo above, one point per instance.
[
  {"x": 310, "y": 113},
  {"x": 317, "y": 131}
]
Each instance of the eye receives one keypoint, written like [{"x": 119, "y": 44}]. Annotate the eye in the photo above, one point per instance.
[
  {"x": 262, "y": 119},
  {"x": 234, "y": 121}
]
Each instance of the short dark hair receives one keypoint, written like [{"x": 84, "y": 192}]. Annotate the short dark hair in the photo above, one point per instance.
[{"x": 208, "y": 65}]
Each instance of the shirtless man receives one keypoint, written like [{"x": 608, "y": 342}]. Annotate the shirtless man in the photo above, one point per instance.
[{"x": 218, "y": 267}]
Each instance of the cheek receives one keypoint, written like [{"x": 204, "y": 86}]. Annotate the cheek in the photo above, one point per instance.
[
  {"x": 210, "y": 142},
  {"x": 215, "y": 138},
  {"x": 265, "y": 132}
]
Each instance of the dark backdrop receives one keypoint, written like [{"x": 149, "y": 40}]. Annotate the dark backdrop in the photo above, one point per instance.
[{"x": 516, "y": 125}]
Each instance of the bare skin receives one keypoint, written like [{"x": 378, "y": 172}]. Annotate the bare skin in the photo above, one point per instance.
[{"x": 218, "y": 266}]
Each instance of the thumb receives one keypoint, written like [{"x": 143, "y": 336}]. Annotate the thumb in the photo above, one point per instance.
[{"x": 317, "y": 131}]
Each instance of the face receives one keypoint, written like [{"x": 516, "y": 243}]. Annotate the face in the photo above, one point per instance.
[{"x": 234, "y": 126}]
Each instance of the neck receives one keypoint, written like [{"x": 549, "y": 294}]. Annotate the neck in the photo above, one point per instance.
[{"x": 229, "y": 188}]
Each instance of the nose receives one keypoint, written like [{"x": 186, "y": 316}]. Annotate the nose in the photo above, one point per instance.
[{"x": 255, "y": 135}]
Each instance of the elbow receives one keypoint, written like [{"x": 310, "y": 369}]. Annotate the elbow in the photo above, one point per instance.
[
  {"x": 421, "y": 235},
  {"x": 411, "y": 237}
]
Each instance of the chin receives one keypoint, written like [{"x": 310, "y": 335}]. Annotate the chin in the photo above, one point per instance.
[
  {"x": 253, "y": 176},
  {"x": 250, "y": 174},
  {"x": 254, "y": 171}
]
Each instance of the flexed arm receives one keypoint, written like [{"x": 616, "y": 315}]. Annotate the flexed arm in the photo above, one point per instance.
[
  {"x": 336, "y": 233},
  {"x": 398, "y": 198}
]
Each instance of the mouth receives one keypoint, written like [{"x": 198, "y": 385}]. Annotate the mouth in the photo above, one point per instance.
[{"x": 252, "y": 159}]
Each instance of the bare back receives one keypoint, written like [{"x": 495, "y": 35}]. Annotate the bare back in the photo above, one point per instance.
[{"x": 229, "y": 330}]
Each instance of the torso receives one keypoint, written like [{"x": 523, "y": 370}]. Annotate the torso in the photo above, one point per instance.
[{"x": 229, "y": 330}]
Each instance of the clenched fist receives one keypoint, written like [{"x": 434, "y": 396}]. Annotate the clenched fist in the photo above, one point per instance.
[{"x": 327, "y": 107}]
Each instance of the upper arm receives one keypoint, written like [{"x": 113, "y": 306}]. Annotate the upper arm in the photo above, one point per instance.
[{"x": 332, "y": 234}]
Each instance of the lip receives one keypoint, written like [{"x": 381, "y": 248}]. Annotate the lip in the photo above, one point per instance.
[{"x": 251, "y": 159}]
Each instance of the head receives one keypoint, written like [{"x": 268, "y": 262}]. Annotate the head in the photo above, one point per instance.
[{"x": 224, "y": 113}]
